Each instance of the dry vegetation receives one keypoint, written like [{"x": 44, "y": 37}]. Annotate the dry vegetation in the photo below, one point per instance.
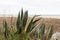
[{"x": 47, "y": 21}]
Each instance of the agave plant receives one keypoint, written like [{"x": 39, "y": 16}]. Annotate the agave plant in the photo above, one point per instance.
[{"x": 25, "y": 27}]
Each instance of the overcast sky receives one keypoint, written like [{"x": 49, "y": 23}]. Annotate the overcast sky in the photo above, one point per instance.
[{"x": 34, "y": 7}]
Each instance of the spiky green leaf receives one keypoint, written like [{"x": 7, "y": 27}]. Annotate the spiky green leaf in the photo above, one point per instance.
[
  {"x": 31, "y": 25},
  {"x": 50, "y": 32},
  {"x": 18, "y": 24},
  {"x": 25, "y": 17},
  {"x": 6, "y": 32},
  {"x": 21, "y": 13},
  {"x": 42, "y": 29},
  {"x": 36, "y": 20}
]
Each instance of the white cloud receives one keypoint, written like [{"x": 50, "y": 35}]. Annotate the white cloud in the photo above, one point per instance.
[
  {"x": 43, "y": 7},
  {"x": 35, "y": 7}
]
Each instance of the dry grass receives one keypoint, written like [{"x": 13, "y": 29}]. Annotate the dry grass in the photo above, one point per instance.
[{"x": 47, "y": 21}]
